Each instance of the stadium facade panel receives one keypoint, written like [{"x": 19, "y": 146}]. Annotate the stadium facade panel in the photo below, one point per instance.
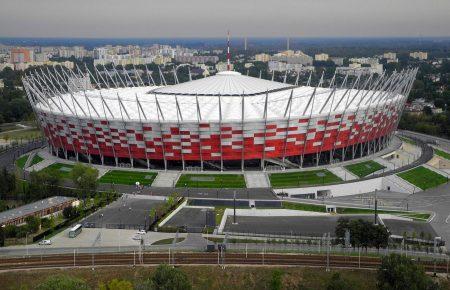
[{"x": 219, "y": 122}]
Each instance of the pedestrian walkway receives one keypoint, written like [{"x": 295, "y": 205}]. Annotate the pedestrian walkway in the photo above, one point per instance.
[
  {"x": 342, "y": 173},
  {"x": 385, "y": 163},
  {"x": 256, "y": 179},
  {"x": 166, "y": 179},
  {"x": 401, "y": 184},
  {"x": 438, "y": 171},
  {"x": 41, "y": 165}
]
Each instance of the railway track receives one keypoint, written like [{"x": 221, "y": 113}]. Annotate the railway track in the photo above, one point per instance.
[{"x": 177, "y": 258}]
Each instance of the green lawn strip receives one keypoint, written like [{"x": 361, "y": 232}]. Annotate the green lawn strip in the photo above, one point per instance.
[
  {"x": 293, "y": 179},
  {"x": 36, "y": 159},
  {"x": 422, "y": 177},
  {"x": 128, "y": 177},
  {"x": 168, "y": 241},
  {"x": 364, "y": 168},
  {"x": 442, "y": 153},
  {"x": 407, "y": 140},
  {"x": 211, "y": 181},
  {"x": 20, "y": 162},
  {"x": 303, "y": 206},
  {"x": 61, "y": 169},
  {"x": 349, "y": 210}
]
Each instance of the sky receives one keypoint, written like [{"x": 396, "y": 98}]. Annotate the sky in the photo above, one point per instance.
[{"x": 212, "y": 18}]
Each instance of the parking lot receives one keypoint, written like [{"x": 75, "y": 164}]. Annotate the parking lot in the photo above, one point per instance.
[
  {"x": 287, "y": 225},
  {"x": 128, "y": 212},
  {"x": 191, "y": 218}
]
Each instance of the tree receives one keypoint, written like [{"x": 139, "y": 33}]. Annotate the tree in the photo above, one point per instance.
[
  {"x": 85, "y": 178},
  {"x": 399, "y": 272},
  {"x": 70, "y": 212},
  {"x": 362, "y": 233},
  {"x": 116, "y": 284},
  {"x": 63, "y": 282},
  {"x": 33, "y": 224},
  {"x": 276, "y": 280},
  {"x": 2, "y": 236},
  {"x": 10, "y": 231},
  {"x": 167, "y": 278},
  {"x": 338, "y": 283}
]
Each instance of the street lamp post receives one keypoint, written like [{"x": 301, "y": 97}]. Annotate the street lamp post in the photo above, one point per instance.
[{"x": 234, "y": 207}]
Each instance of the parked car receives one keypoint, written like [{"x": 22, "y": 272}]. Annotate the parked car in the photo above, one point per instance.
[
  {"x": 137, "y": 237},
  {"x": 141, "y": 232},
  {"x": 45, "y": 242}
]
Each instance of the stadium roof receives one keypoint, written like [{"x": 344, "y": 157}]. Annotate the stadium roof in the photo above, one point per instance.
[
  {"x": 227, "y": 97},
  {"x": 226, "y": 83}
]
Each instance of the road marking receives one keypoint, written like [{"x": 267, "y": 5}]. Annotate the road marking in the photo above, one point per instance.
[{"x": 446, "y": 220}]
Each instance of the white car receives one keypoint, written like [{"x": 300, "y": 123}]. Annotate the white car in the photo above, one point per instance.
[
  {"x": 137, "y": 237},
  {"x": 141, "y": 232},
  {"x": 45, "y": 242}
]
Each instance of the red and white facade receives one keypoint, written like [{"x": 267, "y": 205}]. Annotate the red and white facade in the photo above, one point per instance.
[{"x": 223, "y": 121}]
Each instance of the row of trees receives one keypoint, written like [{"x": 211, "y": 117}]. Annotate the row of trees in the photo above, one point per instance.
[
  {"x": 363, "y": 234},
  {"x": 14, "y": 106}
]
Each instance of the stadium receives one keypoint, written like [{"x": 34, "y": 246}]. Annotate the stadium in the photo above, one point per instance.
[{"x": 228, "y": 121}]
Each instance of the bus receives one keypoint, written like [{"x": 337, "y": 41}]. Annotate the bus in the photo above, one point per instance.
[{"x": 75, "y": 231}]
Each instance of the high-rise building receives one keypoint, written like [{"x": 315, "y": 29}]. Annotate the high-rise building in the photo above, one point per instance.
[{"x": 21, "y": 55}]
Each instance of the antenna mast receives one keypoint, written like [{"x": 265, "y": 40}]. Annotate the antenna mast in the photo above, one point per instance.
[{"x": 228, "y": 51}]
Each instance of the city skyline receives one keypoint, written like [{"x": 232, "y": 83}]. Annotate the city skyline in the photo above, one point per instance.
[{"x": 306, "y": 18}]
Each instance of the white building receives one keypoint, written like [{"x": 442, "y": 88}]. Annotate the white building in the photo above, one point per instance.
[
  {"x": 264, "y": 57},
  {"x": 291, "y": 57},
  {"x": 282, "y": 66},
  {"x": 222, "y": 66},
  {"x": 321, "y": 57},
  {"x": 420, "y": 55}
]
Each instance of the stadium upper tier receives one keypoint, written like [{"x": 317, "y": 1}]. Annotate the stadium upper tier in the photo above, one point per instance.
[{"x": 214, "y": 98}]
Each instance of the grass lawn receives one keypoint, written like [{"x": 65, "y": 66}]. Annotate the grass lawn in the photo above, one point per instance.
[
  {"x": 421, "y": 216},
  {"x": 211, "y": 180},
  {"x": 20, "y": 162},
  {"x": 128, "y": 177},
  {"x": 293, "y": 179},
  {"x": 36, "y": 159},
  {"x": 442, "y": 153},
  {"x": 364, "y": 168},
  {"x": 303, "y": 206},
  {"x": 168, "y": 241},
  {"x": 62, "y": 170},
  {"x": 423, "y": 178}
]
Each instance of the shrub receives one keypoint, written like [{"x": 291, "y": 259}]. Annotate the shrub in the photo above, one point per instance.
[
  {"x": 62, "y": 282},
  {"x": 167, "y": 278}
]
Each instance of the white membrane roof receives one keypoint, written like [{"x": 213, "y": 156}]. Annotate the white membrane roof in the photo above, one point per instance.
[
  {"x": 204, "y": 94},
  {"x": 224, "y": 83}
]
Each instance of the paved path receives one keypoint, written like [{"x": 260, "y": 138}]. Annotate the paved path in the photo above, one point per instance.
[
  {"x": 256, "y": 179},
  {"x": 41, "y": 165},
  {"x": 343, "y": 173},
  {"x": 166, "y": 179}
]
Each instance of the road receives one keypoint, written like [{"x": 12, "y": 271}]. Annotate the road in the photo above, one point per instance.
[{"x": 8, "y": 157}]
